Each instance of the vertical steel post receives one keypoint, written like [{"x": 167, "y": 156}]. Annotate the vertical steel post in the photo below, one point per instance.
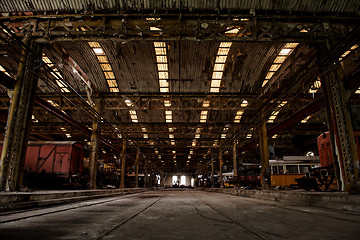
[
  {"x": 137, "y": 168},
  {"x": 212, "y": 170},
  {"x": 145, "y": 174},
  {"x": 221, "y": 162},
  {"x": 123, "y": 164},
  {"x": 94, "y": 152},
  {"x": 19, "y": 119},
  {"x": 234, "y": 159},
  {"x": 342, "y": 129},
  {"x": 264, "y": 152}
]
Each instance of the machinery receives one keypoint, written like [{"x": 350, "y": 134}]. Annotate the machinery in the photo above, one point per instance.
[{"x": 323, "y": 177}]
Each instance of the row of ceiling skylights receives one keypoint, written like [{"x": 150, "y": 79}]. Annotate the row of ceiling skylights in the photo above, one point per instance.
[
  {"x": 276, "y": 112},
  {"x": 240, "y": 112},
  {"x": 281, "y": 57},
  {"x": 219, "y": 66},
  {"x": 163, "y": 73},
  {"x": 162, "y": 65},
  {"x": 348, "y": 51},
  {"x": 105, "y": 66},
  {"x": 55, "y": 72}
]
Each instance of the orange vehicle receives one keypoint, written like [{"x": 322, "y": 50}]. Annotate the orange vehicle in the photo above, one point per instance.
[{"x": 323, "y": 178}]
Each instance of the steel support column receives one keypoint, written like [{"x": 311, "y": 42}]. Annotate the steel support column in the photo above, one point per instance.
[
  {"x": 212, "y": 170},
  {"x": 145, "y": 174},
  {"x": 123, "y": 164},
  {"x": 234, "y": 159},
  {"x": 264, "y": 152},
  {"x": 341, "y": 129},
  {"x": 94, "y": 152},
  {"x": 221, "y": 163},
  {"x": 137, "y": 168},
  {"x": 19, "y": 119}
]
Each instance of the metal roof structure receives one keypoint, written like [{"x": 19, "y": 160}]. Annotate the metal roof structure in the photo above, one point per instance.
[{"x": 181, "y": 79}]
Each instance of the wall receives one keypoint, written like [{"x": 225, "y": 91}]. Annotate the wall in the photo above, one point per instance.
[{"x": 169, "y": 182}]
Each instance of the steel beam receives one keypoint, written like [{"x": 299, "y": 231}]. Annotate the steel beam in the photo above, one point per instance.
[
  {"x": 19, "y": 119},
  {"x": 264, "y": 153},
  {"x": 94, "y": 152},
  {"x": 123, "y": 164},
  {"x": 235, "y": 158},
  {"x": 342, "y": 128},
  {"x": 221, "y": 164},
  {"x": 137, "y": 168},
  {"x": 135, "y": 27}
]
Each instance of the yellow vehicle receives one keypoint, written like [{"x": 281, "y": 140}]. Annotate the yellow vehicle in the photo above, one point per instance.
[{"x": 284, "y": 172}]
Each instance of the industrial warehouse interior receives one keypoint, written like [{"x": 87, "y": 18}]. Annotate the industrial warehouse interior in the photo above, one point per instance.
[{"x": 179, "y": 119}]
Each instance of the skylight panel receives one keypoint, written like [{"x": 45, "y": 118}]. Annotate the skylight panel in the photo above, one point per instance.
[
  {"x": 128, "y": 103},
  {"x": 113, "y": 89},
  {"x": 163, "y": 75},
  {"x": 215, "y": 83},
  {"x": 223, "y": 51},
  {"x": 279, "y": 59},
  {"x": 269, "y": 75},
  {"x": 214, "y": 90},
  {"x": 112, "y": 83},
  {"x": 102, "y": 59},
  {"x": 285, "y": 51},
  {"x": 206, "y": 104},
  {"x": 105, "y": 67},
  {"x": 225, "y": 44},
  {"x": 109, "y": 75},
  {"x": 159, "y": 44},
  {"x": 291, "y": 45},
  {"x": 160, "y": 51},
  {"x": 163, "y": 83},
  {"x": 161, "y": 59},
  {"x": 219, "y": 67},
  {"x": 167, "y": 103},
  {"x": 244, "y": 103},
  {"x": 162, "y": 67},
  {"x": 305, "y": 120},
  {"x": 274, "y": 67},
  {"x": 316, "y": 86},
  {"x": 220, "y": 59},
  {"x": 94, "y": 44},
  {"x": 164, "y": 90},
  {"x": 98, "y": 51},
  {"x": 217, "y": 75}
]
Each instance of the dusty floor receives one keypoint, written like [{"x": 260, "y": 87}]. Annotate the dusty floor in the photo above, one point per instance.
[{"x": 179, "y": 215}]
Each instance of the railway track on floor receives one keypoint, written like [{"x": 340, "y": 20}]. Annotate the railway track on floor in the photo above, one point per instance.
[
  {"x": 232, "y": 220},
  {"x": 119, "y": 224},
  {"x": 5, "y": 217},
  {"x": 292, "y": 206}
]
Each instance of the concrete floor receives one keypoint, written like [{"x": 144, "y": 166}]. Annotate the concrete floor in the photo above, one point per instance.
[{"x": 179, "y": 215}]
